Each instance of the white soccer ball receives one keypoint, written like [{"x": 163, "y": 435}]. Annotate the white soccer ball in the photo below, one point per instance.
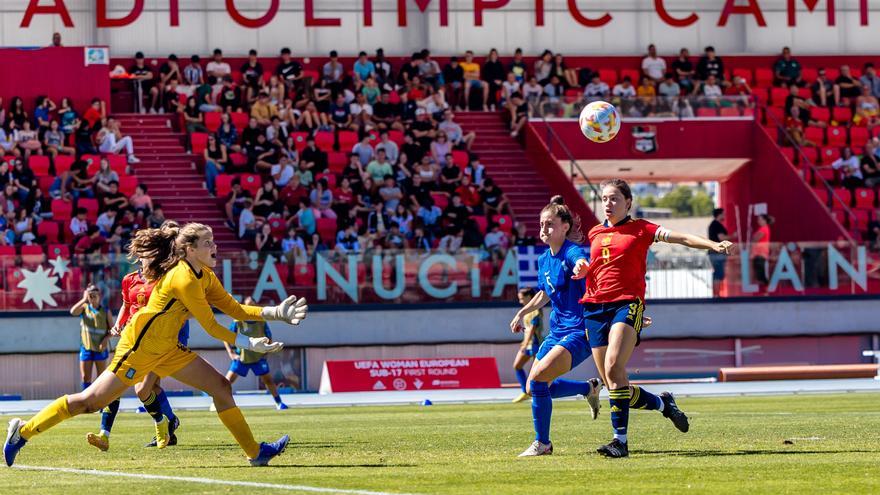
[{"x": 599, "y": 121}]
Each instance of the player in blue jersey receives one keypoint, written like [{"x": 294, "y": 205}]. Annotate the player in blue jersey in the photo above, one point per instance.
[{"x": 566, "y": 345}]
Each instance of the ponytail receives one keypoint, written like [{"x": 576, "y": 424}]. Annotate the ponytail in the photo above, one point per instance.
[
  {"x": 161, "y": 249},
  {"x": 558, "y": 208}
]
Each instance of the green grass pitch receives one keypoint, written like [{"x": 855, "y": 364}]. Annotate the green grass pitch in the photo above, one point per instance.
[{"x": 782, "y": 444}]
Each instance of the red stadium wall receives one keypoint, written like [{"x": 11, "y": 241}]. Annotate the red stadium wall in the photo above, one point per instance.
[{"x": 52, "y": 72}]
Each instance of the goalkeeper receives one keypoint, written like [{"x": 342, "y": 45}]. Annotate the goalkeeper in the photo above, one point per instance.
[{"x": 181, "y": 259}]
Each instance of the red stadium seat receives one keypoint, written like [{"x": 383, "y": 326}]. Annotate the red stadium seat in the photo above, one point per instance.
[
  {"x": 329, "y": 177},
  {"x": 7, "y": 255},
  {"x": 810, "y": 155},
  {"x": 72, "y": 280},
  {"x": 283, "y": 270},
  {"x": 396, "y": 136},
  {"x": 45, "y": 183},
  {"x": 118, "y": 164},
  {"x": 730, "y": 112},
  {"x": 327, "y": 230},
  {"x": 842, "y": 115},
  {"x": 805, "y": 93},
  {"x": 299, "y": 139},
  {"x": 213, "y": 121},
  {"x": 91, "y": 206},
  {"x": 56, "y": 250},
  {"x": 63, "y": 163},
  {"x": 199, "y": 142},
  {"x": 832, "y": 73},
  {"x": 809, "y": 74},
  {"x": 633, "y": 74},
  {"x": 822, "y": 114},
  {"x": 39, "y": 165},
  {"x": 744, "y": 73},
  {"x": 864, "y": 198},
  {"x": 13, "y": 277},
  {"x": 482, "y": 223},
  {"x": 763, "y": 77},
  {"x": 790, "y": 154},
  {"x": 374, "y": 137},
  {"x": 775, "y": 116},
  {"x": 325, "y": 139},
  {"x": 505, "y": 223},
  {"x": 778, "y": 96},
  {"x": 862, "y": 217},
  {"x": 32, "y": 255},
  {"x": 337, "y": 161},
  {"x": 460, "y": 158},
  {"x": 829, "y": 155},
  {"x": 608, "y": 76},
  {"x": 827, "y": 174},
  {"x": 238, "y": 159},
  {"x": 49, "y": 230},
  {"x": 815, "y": 134},
  {"x": 224, "y": 184},
  {"x": 762, "y": 95},
  {"x": 62, "y": 210},
  {"x": 279, "y": 227},
  {"x": 707, "y": 112},
  {"x": 347, "y": 140},
  {"x": 303, "y": 274},
  {"x": 127, "y": 185},
  {"x": 858, "y": 136},
  {"x": 837, "y": 136},
  {"x": 440, "y": 200},
  {"x": 251, "y": 182},
  {"x": 239, "y": 120}
]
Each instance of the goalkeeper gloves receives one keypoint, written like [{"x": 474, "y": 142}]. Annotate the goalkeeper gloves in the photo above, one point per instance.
[
  {"x": 257, "y": 344},
  {"x": 292, "y": 310}
]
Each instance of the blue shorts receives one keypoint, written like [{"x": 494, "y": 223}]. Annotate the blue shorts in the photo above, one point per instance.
[
  {"x": 600, "y": 317},
  {"x": 259, "y": 368},
  {"x": 575, "y": 343},
  {"x": 532, "y": 350},
  {"x": 475, "y": 83},
  {"x": 87, "y": 355},
  {"x": 719, "y": 262}
]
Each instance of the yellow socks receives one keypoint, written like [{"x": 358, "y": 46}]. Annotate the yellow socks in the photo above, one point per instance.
[
  {"x": 234, "y": 422},
  {"x": 50, "y": 416}
]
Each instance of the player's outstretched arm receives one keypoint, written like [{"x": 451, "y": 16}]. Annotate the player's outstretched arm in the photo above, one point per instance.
[
  {"x": 538, "y": 301},
  {"x": 580, "y": 269},
  {"x": 696, "y": 242},
  {"x": 292, "y": 310}
]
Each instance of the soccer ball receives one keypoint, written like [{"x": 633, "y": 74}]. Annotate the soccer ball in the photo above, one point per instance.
[{"x": 599, "y": 121}]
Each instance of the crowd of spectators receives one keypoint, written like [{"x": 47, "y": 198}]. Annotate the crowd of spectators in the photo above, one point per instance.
[{"x": 349, "y": 159}]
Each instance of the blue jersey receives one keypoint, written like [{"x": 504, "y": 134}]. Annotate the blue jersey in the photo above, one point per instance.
[{"x": 554, "y": 278}]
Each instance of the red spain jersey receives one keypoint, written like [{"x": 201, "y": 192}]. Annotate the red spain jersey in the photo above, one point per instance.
[
  {"x": 618, "y": 260},
  {"x": 135, "y": 294}
]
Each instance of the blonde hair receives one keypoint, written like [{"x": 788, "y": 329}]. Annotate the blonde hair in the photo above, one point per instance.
[
  {"x": 163, "y": 248},
  {"x": 558, "y": 208}
]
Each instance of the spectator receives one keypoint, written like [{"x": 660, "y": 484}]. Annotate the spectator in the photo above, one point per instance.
[
  {"x": 293, "y": 192},
  {"x": 392, "y": 151},
  {"x": 521, "y": 237},
  {"x": 312, "y": 157},
  {"x": 144, "y": 84},
  {"x": 684, "y": 72},
  {"x": 229, "y": 98},
  {"x": 624, "y": 89},
  {"x": 383, "y": 68},
  {"x": 795, "y": 100},
  {"x": 17, "y": 113},
  {"x": 387, "y": 115},
  {"x": 156, "y": 217},
  {"x": 106, "y": 221},
  {"x": 420, "y": 241},
  {"x": 24, "y": 180},
  {"x": 43, "y": 108},
  {"x": 235, "y": 202},
  {"x": 450, "y": 176},
  {"x": 277, "y": 133},
  {"x": 293, "y": 247},
  {"x": 647, "y": 94},
  {"x": 217, "y": 67},
  {"x": 717, "y": 233},
  {"x": 787, "y": 70},
  {"x": 247, "y": 222},
  {"x": 653, "y": 66},
  {"x": 519, "y": 114},
  {"x": 453, "y": 76},
  {"x": 216, "y": 159},
  {"x": 227, "y": 134},
  {"x": 518, "y": 66},
  {"x": 66, "y": 115},
  {"x": 263, "y": 110},
  {"x": 709, "y": 92},
  {"x": 361, "y": 114},
  {"x": 290, "y": 71},
  {"x": 870, "y": 164},
  {"x": 867, "y": 110},
  {"x": 27, "y": 140},
  {"x": 532, "y": 91},
  {"x": 823, "y": 89},
  {"x": 343, "y": 198},
  {"x": 849, "y": 169},
  {"x": 761, "y": 249},
  {"x": 509, "y": 86},
  {"x": 596, "y": 89},
  {"x": 390, "y": 193},
  {"x": 265, "y": 241},
  {"x": 870, "y": 80},
  {"x": 669, "y": 92},
  {"x": 423, "y": 129},
  {"x": 111, "y": 140},
  {"x": 451, "y": 242},
  {"x": 710, "y": 65},
  {"x": 475, "y": 170},
  {"x": 54, "y": 141},
  {"x": 456, "y": 213},
  {"x": 168, "y": 72},
  {"x": 544, "y": 67},
  {"x": 115, "y": 199},
  {"x": 454, "y": 132},
  {"x": 472, "y": 80},
  {"x": 283, "y": 172},
  {"x": 846, "y": 87},
  {"x": 334, "y": 73},
  {"x": 469, "y": 194},
  {"x": 347, "y": 240},
  {"x": 403, "y": 218},
  {"x": 193, "y": 75},
  {"x": 363, "y": 69},
  {"x": 252, "y": 75},
  {"x": 429, "y": 70},
  {"x": 7, "y": 142},
  {"x": 104, "y": 177},
  {"x": 90, "y": 243},
  {"x": 496, "y": 242},
  {"x": 741, "y": 93},
  {"x": 340, "y": 114},
  {"x": 427, "y": 172},
  {"x": 568, "y": 76},
  {"x": 81, "y": 182},
  {"x": 394, "y": 240},
  {"x": 321, "y": 199},
  {"x": 56, "y": 40},
  {"x": 494, "y": 200},
  {"x": 494, "y": 75},
  {"x": 79, "y": 224},
  {"x": 873, "y": 233},
  {"x": 430, "y": 215},
  {"x": 380, "y": 167}
]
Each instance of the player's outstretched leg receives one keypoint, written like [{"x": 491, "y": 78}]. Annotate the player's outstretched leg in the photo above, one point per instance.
[
  {"x": 104, "y": 390},
  {"x": 101, "y": 441},
  {"x": 201, "y": 375},
  {"x": 670, "y": 410}
]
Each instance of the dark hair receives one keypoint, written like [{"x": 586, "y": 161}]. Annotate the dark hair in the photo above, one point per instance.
[
  {"x": 528, "y": 292},
  {"x": 218, "y": 51},
  {"x": 139, "y": 55},
  {"x": 285, "y": 51},
  {"x": 195, "y": 58},
  {"x": 252, "y": 52},
  {"x": 362, "y": 54},
  {"x": 172, "y": 58},
  {"x": 334, "y": 53},
  {"x": 717, "y": 212},
  {"x": 618, "y": 184},
  {"x": 768, "y": 219},
  {"x": 558, "y": 208}
]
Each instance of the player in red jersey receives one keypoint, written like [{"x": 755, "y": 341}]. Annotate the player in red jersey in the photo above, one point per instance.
[
  {"x": 614, "y": 305},
  {"x": 136, "y": 292}
]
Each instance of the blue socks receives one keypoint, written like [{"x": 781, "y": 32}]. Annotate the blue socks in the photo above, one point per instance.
[
  {"x": 277, "y": 398},
  {"x": 165, "y": 406},
  {"x": 642, "y": 399},
  {"x": 619, "y": 400},
  {"x": 85, "y": 385},
  {"x": 109, "y": 416},
  {"x": 542, "y": 410},
  {"x": 567, "y": 388},
  {"x": 521, "y": 378}
]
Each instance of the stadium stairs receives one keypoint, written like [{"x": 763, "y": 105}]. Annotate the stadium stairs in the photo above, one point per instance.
[{"x": 508, "y": 165}]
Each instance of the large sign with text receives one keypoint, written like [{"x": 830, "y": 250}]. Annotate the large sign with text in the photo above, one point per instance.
[{"x": 409, "y": 374}]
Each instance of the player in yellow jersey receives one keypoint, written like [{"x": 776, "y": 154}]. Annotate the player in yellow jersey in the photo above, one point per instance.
[
  {"x": 181, "y": 259},
  {"x": 533, "y": 335},
  {"x": 94, "y": 327}
]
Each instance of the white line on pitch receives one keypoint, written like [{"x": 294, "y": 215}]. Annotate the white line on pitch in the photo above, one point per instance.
[{"x": 207, "y": 481}]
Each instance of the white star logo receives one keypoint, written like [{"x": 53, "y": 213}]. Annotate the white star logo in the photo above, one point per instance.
[
  {"x": 39, "y": 286},
  {"x": 60, "y": 266}
]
